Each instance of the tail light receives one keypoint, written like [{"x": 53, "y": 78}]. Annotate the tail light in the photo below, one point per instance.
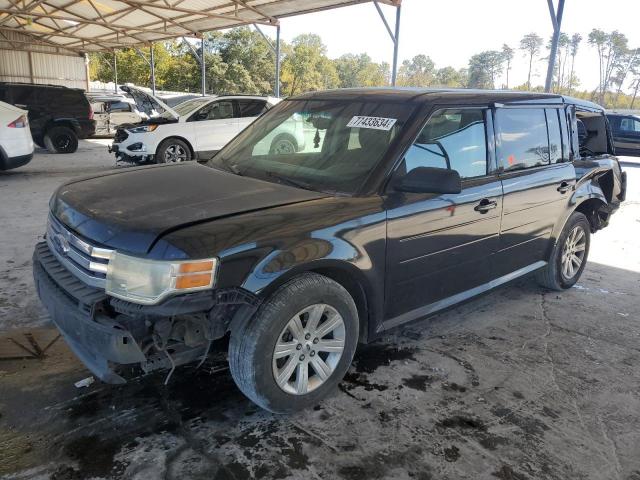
[
  {"x": 20, "y": 122},
  {"x": 90, "y": 113}
]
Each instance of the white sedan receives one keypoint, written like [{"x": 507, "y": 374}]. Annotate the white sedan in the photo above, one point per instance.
[
  {"x": 195, "y": 129},
  {"x": 16, "y": 144}
]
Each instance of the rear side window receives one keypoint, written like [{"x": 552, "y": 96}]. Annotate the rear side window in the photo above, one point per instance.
[
  {"x": 251, "y": 108},
  {"x": 555, "y": 135},
  {"x": 629, "y": 124},
  {"x": 453, "y": 139},
  {"x": 522, "y": 137}
]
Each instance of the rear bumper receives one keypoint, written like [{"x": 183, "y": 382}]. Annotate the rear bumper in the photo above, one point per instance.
[{"x": 7, "y": 163}]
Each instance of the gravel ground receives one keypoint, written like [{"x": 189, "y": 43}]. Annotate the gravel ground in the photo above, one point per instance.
[{"x": 518, "y": 384}]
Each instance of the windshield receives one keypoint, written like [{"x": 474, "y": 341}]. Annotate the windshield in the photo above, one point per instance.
[
  {"x": 187, "y": 107},
  {"x": 323, "y": 145}
]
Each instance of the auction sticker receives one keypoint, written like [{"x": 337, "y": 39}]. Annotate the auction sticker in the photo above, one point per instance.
[{"x": 377, "y": 123}]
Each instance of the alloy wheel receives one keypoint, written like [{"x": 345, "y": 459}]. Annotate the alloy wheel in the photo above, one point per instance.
[
  {"x": 308, "y": 349},
  {"x": 573, "y": 252},
  {"x": 284, "y": 147},
  {"x": 174, "y": 154}
]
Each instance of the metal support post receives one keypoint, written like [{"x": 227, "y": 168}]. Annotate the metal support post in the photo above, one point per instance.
[
  {"x": 153, "y": 70},
  {"x": 395, "y": 38},
  {"x": 202, "y": 68},
  {"x": 556, "y": 20}
]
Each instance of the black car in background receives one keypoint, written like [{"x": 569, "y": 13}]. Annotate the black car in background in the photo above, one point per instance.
[
  {"x": 626, "y": 133},
  {"x": 58, "y": 116},
  {"x": 402, "y": 204}
]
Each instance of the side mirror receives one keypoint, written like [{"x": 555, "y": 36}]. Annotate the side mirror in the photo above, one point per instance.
[{"x": 430, "y": 180}]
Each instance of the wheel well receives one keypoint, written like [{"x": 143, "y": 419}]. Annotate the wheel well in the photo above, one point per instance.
[
  {"x": 355, "y": 289},
  {"x": 597, "y": 215},
  {"x": 63, "y": 123},
  {"x": 193, "y": 154}
]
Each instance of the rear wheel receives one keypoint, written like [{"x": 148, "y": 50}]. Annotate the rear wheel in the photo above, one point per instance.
[
  {"x": 173, "y": 150},
  {"x": 283, "y": 145},
  {"x": 569, "y": 255},
  {"x": 298, "y": 346},
  {"x": 61, "y": 140}
]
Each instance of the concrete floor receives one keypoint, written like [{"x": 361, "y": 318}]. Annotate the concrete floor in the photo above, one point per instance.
[{"x": 518, "y": 384}]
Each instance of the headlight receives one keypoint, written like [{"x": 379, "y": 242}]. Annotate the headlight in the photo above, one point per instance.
[
  {"x": 147, "y": 282},
  {"x": 143, "y": 128}
]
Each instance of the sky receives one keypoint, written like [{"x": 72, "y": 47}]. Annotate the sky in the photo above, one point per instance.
[{"x": 451, "y": 31}]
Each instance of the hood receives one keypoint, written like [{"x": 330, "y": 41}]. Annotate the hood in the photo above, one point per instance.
[
  {"x": 131, "y": 210},
  {"x": 147, "y": 102}
]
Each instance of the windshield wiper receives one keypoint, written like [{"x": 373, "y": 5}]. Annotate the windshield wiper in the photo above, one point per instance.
[{"x": 290, "y": 181}]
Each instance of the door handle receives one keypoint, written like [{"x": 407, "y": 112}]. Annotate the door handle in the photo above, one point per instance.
[
  {"x": 564, "y": 187},
  {"x": 485, "y": 205}
]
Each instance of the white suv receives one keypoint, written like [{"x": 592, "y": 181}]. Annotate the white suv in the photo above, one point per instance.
[
  {"x": 16, "y": 144},
  {"x": 195, "y": 129}
]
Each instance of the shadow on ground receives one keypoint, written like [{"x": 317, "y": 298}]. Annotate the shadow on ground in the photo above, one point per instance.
[{"x": 519, "y": 384}]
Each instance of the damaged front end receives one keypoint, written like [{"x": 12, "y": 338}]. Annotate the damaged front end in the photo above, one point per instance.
[{"x": 107, "y": 333}]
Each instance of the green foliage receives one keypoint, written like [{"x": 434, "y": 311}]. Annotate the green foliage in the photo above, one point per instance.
[{"x": 240, "y": 61}]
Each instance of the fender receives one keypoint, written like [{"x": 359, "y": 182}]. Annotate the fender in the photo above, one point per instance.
[
  {"x": 588, "y": 188},
  {"x": 71, "y": 122}
]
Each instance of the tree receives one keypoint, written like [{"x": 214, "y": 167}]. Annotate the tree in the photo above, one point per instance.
[
  {"x": 358, "y": 70},
  {"x": 611, "y": 47},
  {"x": 530, "y": 45},
  {"x": 507, "y": 57},
  {"x": 450, "y": 77},
  {"x": 417, "y": 72},
  {"x": 576, "y": 38},
  {"x": 306, "y": 66},
  {"x": 630, "y": 61},
  {"x": 484, "y": 67}
]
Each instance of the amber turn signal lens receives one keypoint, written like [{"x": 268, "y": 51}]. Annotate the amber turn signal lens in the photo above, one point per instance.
[
  {"x": 194, "y": 280},
  {"x": 195, "y": 267}
]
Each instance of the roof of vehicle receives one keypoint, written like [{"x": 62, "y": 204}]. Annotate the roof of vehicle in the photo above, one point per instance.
[
  {"x": 424, "y": 95},
  {"x": 39, "y": 85}
]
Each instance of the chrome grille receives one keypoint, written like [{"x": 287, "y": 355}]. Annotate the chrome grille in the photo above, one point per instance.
[{"x": 85, "y": 261}]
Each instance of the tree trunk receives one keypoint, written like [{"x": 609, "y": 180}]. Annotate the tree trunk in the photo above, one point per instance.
[
  {"x": 529, "y": 75},
  {"x": 635, "y": 93},
  {"x": 573, "y": 61}
]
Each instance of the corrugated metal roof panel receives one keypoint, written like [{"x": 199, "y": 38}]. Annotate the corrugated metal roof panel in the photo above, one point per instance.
[{"x": 108, "y": 24}]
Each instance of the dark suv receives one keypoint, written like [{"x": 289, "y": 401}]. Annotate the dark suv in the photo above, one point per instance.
[
  {"x": 58, "y": 116},
  {"x": 626, "y": 133},
  {"x": 401, "y": 204}
]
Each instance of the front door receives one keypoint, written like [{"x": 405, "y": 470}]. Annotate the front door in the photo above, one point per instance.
[
  {"x": 440, "y": 246},
  {"x": 215, "y": 124},
  {"x": 538, "y": 180}
]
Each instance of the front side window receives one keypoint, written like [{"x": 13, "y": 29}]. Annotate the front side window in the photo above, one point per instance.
[
  {"x": 453, "y": 139},
  {"x": 522, "y": 138},
  {"x": 216, "y": 111},
  {"x": 323, "y": 145}
]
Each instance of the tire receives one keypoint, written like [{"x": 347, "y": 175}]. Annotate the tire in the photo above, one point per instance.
[
  {"x": 61, "y": 140},
  {"x": 283, "y": 144},
  {"x": 252, "y": 355},
  {"x": 173, "y": 150},
  {"x": 554, "y": 275}
]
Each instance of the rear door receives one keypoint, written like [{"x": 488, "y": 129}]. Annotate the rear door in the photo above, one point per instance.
[
  {"x": 214, "y": 125},
  {"x": 537, "y": 179},
  {"x": 441, "y": 245},
  {"x": 248, "y": 110}
]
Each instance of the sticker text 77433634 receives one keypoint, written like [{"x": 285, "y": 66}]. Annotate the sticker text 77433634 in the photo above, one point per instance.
[{"x": 377, "y": 123}]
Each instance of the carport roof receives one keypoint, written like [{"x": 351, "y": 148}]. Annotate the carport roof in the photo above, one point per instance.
[{"x": 98, "y": 25}]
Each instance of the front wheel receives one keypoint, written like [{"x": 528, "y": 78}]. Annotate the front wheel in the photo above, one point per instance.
[
  {"x": 173, "y": 150},
  {"x": 297, "y": 347},
  {"x": 283, "y": 144},
  {"x": 569, "y": 255}
]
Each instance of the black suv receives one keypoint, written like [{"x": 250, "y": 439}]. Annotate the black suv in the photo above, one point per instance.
[
  {"x": 626, "y": 133},
  {"x": 401, "y": 204},
  {"x": 58, "y": 116}
]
